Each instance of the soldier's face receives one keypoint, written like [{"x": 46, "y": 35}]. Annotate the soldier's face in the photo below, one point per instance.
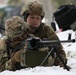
[
  {"x": 21, "y": 37},
  {"x": 34, "y": 21}
]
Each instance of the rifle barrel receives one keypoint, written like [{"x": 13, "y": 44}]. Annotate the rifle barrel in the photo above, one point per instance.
[
  {"x": 56, "y": 41},
  {"x": 73, "y": 40}
]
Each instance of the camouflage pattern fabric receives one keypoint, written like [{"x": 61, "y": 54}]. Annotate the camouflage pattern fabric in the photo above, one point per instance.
[
  {"x": 15, "y": 27},
  {"x": 5, "y": 63},
  {"x": 3, "y": 53},
  {"x": 44, "y": 31},
  {"x": 33, "y": 7}
]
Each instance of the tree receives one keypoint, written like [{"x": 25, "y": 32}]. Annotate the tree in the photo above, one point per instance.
[{"x": 15, "y": 2}]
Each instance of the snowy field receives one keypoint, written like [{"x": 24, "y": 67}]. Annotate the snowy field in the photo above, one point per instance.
[{"x": 70, "y": 49}]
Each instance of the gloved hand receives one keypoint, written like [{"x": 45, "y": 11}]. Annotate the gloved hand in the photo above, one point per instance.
[{"x": 68, "y": 67}]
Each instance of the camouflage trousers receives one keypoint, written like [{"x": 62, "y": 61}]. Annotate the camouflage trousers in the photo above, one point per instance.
[{"x": 3, "y": 63}]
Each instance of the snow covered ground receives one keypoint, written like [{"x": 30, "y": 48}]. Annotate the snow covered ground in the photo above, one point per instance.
[{"x": 70, "y": 49}]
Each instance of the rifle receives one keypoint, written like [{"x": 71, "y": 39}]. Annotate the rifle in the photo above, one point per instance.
[{"x": 53, "y": 45}]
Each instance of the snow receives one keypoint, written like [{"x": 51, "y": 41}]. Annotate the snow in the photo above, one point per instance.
[
  {"x": 0, "y": 35},
  {"x": 70, "y": 49}
]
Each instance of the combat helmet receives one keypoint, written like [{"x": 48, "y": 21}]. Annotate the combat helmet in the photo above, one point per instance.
[
  {"x": 33, "y": 7},
  {"x": 15, "y": 26}
]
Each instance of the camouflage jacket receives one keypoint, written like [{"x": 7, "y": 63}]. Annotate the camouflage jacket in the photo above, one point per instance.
[
  {"x": 44, "y": 31},
  {"x": 3, "y": 52},
  {"x": 7, "y": 50}
]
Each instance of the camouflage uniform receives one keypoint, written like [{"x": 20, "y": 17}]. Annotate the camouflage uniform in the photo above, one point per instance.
[
  {"x": 43, "y": 31},
  {"x": 15, "y": 28}
]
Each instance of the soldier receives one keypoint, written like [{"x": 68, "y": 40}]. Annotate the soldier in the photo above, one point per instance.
[
  {"x": 33, "y": 14},
  {"x": 15, "y": 33}
]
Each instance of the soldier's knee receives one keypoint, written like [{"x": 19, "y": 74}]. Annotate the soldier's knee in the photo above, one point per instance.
[
  {"x": 9, "y": 65},
  {"x": 16, "y": 57}
]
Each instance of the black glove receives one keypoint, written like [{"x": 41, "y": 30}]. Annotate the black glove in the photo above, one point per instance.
[{"x": 68, "y": 67}]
